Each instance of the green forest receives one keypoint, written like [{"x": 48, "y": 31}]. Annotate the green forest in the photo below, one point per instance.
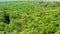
[{"x": 29, "y": 17}]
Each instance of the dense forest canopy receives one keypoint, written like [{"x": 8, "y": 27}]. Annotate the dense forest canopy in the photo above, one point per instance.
[{"x": 30, "y": 17}]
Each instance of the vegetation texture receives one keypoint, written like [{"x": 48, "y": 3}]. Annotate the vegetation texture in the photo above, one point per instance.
[{"x": 30, "y": 18}]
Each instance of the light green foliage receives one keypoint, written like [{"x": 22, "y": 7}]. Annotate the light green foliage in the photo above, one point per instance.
[{"x": 30, "y": 17}]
